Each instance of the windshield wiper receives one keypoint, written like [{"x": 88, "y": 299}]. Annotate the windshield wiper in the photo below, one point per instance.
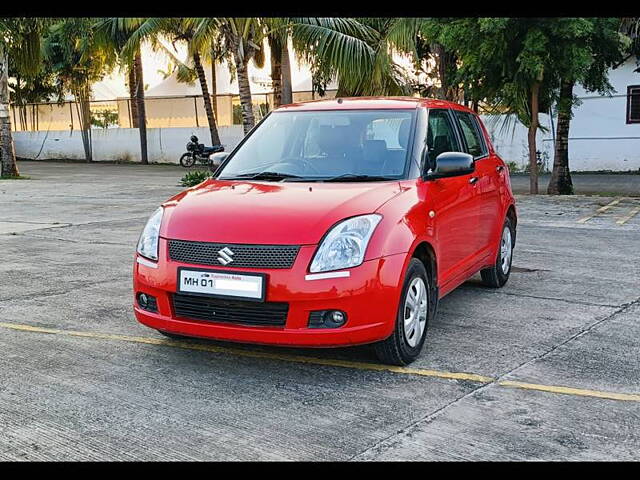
[
  {"x": 354, "y": 177},
  {"x": 263, "y": 176}
]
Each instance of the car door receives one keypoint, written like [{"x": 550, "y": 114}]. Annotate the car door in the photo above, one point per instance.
[
  {"x": 452, "y": 199},
  {"x": 487, "y": 186}
]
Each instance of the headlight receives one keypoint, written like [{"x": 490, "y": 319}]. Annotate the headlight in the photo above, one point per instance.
[
  {"x": 345, "y": 244},
  {"x": 148, "y": 243}
]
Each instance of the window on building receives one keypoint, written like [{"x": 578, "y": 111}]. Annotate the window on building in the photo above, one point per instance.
[{"x": 633, "y": 104}]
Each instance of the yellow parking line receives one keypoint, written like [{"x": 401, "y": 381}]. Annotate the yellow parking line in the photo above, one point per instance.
[
  {"x": 472, "y": 377},
  {"x": 600, "y": 210},
  {"x": 628, "y": 217},
  {"x": 628, "y": 397}
]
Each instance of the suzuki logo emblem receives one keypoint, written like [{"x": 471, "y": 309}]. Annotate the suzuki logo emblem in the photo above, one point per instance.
[{"x": 226, "y": 256}]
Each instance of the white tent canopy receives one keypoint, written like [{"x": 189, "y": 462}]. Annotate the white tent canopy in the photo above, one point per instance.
[{"x": 170, "y": 87}]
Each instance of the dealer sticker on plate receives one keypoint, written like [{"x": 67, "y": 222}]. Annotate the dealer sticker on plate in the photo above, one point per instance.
[{"x": 209, "y": 282}]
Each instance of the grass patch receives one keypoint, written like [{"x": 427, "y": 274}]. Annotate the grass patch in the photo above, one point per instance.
[{"x": 14, "y": 177}]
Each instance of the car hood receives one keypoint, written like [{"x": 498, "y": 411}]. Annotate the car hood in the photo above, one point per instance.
[{"x": 286, "y": 213}]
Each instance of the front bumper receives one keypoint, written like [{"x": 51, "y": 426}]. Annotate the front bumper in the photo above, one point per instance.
[{"x": 369, "y": 296}]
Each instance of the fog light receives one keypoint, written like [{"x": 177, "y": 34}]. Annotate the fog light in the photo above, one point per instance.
[
  {"x": 337, "y": 316},
  {"x": 147, "y": 302},
  {"x": 327, "y": 319},
  {"x": 143, "y": 300}
]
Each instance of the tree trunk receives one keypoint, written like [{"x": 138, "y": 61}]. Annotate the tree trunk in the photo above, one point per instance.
[
  {"x": 132, "y": 96},
  {"x": 140, "y": 107},
  {"x": 441, "y": 92},
  {"x": 445, "y": 62},
  {"x": 8, "y": 166},
  {"x": 533, "y": 129},
  {"x": 214, "y": 88},
  {"x": 276, "y": 70},
  {"x": 82, "y": 97},
  {"x": 561, "y": 183},
  {"x": 285, "y": 71},
  {"x": 213, "y": 129},
  {"x": 244, "y": 88}
]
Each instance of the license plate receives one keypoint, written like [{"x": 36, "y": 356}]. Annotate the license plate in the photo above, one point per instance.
[{"x": 248, "y": 286}]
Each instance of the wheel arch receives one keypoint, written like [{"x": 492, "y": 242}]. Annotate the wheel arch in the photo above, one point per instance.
[
  {"x": 425, "y": 252},
  {"x": 511, "y": 215}
]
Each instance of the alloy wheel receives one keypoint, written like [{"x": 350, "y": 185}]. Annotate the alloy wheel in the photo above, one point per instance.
[{"x": 415, "y": 311}]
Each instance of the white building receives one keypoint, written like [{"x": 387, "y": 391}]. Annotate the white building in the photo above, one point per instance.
[{"x": 604, "y": 133}]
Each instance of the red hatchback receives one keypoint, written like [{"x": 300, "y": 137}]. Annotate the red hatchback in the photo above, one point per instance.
[{"x": 336, "y": 222}]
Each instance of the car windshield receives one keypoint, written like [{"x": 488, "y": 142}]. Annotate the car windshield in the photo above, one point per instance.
[{"x": 344, "y": 145}]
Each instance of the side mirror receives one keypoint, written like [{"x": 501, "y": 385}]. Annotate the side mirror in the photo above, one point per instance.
[
  {"x": 217, "y": 159},
  {"x": 452, "y": 164}
]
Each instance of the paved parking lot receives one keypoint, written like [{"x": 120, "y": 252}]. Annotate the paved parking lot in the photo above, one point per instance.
[{"x": 545, "y": 369}]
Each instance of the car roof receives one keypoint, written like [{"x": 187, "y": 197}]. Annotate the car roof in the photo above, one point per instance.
[{"x": 372, "y": 103}]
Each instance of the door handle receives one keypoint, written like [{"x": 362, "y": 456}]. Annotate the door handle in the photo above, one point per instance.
[
  {"x": 473, "y": 180},
  {"x": 500, "y": 168}
]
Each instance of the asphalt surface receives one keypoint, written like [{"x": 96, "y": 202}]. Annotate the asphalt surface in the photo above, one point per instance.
[{"x": 546, "y": 368}]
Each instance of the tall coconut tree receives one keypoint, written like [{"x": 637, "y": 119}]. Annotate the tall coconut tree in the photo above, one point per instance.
[
  {"x": 78, "y": 62},
  {"x": 277, "y": 32},
  {"x": 179, "y": 30},
  {"x": 358, "y": 53},
  {"x": 20, "y": 40},
  {"x": 112, "y": 34},
  {"x": 242, "y": 37}
]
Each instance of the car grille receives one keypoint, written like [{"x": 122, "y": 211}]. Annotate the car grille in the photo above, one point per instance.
[
  {"x": 230, "y": 311},
  {"x": 247, "y": 256}
]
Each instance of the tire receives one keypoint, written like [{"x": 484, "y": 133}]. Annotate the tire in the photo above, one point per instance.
[
  {"x": 497, "y": 276},
  {"x": 187, "y": 160},
  {"x": 173, "y": 336},
  {"x": 402, "y": 347}
]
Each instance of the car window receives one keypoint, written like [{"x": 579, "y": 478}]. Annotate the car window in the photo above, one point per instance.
[
  {"x": 440, "y": 134},
  {"x": 471, "y": 134},
  {"x": 326, "y": 144}
]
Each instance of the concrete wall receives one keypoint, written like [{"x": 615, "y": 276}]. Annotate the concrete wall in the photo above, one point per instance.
[
  {"x": 599, "y": 137},
  {"x": 165, "y": 145}
]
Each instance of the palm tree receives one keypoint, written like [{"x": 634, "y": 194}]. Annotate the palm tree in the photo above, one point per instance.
[
  {"x": 177, "y": 30},
  {"x": 277, "y": 31},
  {"x": 19, "y": 40},
  {"x": 78, "y": 61},
  {"x": 112, "y": 33},
  {"x": 243, "y": 37},
  {"x": 357, "y": 52}
]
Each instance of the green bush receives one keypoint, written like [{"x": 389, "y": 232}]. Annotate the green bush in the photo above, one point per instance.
[
  {"x": 194, "y": 178},
  {"x": 513, "y": 167}
]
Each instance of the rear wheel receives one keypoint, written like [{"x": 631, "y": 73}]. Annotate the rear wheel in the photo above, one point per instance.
[
  {"x": 405, "y": 343},
  {"x": 498, "y": 275},
  {"x": 187, "y": 160}
]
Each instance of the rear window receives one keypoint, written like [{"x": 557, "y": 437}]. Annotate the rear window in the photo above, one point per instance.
[{"x": 472, "y": 134}]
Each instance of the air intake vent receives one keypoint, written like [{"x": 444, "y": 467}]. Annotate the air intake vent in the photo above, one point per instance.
[{"x": 230, "y": 311}]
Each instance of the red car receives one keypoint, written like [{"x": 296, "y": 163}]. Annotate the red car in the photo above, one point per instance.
[{"x": 335, "y": 222}]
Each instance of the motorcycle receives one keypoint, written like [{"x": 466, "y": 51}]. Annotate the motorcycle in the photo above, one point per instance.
[{"x": 197, "y": 152}]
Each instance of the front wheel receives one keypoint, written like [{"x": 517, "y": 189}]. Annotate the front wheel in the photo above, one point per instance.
[
  {"x": 187, "y": 160},
  {"x": 497, "y": 275},
  {"x": 414, "y": 312}
]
